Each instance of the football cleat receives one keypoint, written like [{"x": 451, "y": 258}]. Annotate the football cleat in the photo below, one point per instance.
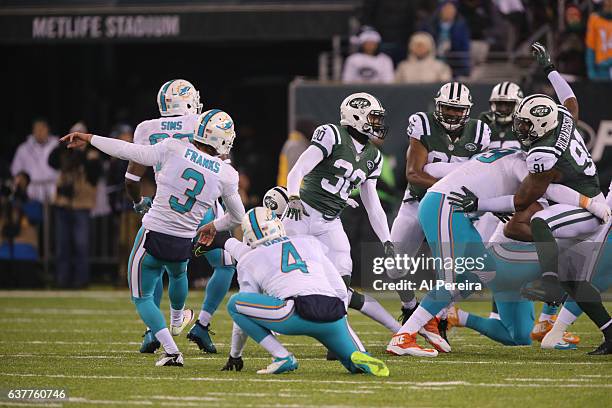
[
  {"x": 604, "y": 349},
  {"x": 404, "y": 344},
  {"x": 280, "y": 365},
  {"x": 452, "y": 317},
  {"x": 187, "y": 318},
  {"x": 200, "y": 335},
  {"x": 432, "y": 335},
  {"x": 170, "y": 360},
  {"x": 149, "y": 342},
  {"x": 369, "y": 365},
  {"x": 541, "y": 329}
]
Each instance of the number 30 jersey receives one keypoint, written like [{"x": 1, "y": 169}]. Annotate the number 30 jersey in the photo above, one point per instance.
[
  {"x": 189, "y": 182},
  {"x": 565, "y": 151},
  {"x": 343, "y": 168}
]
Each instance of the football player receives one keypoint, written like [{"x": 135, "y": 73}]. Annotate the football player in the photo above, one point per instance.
[
  {"x": 190, "y": 180},
  {"x": 179, "y": 108},
  {"x": 504, "y": 100},
  {"x": 339, "y": 159},
  {"x": 276, "y": 199},
  {"x": 286, "y": 287},
  {"x": 446, "y": 135}
]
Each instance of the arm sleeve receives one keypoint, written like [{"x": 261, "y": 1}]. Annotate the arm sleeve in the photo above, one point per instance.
[
  {"x": 440, "y": 169},
  {"x": 236, "y": 248},
  {"x": 563, "y": 195},
  {"x": 233, "y": 216},
  {"x": 497, "y": 204},
  {"x": 239, "y": 339},
  {"x": 145, "y": 155},
  {"x": 307, "y": 161},
  {"x": 562, "y": 88},
  {"x": 376, "y": 214}
]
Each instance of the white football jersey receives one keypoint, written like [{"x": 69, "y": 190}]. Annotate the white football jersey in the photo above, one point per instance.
[
  {"x": 153, "y": 131},
  {"x": 494, "y": 173},
  {"x": 287, "y": 267},
  {"x": 189, "y": 182}
]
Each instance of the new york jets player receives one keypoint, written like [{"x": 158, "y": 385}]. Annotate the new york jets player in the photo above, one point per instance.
[
  {"x": 446, "y": 135},
  {"x": 339, "y": 159},
  {"x": 286, "y": 287},
  {"x": 504, "y": 100},
  {"x": 179, "y": 107},
  {"x": 190, "y": 180}
]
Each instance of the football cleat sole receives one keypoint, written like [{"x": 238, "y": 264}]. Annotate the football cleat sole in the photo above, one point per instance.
[
  {"x": 369, "y": 365},
  {"x": 188, "y": 316}
]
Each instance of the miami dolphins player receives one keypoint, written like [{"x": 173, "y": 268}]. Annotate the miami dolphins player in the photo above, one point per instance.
[
  {"x": 339, "y": 159},
  {"x": 446, "y": 135},
  {"x": 190, "y": 180},
  {"x": 451, "y": 235},
  {"x": 504, "y": 99},
  {"x": 179, "y": 107},
  {"x": 286, "y": 287}
]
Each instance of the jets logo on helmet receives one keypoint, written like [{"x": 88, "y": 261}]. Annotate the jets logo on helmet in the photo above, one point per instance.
[
  {"x": 364, "y": 113},
  {"x": 261, "y": 225},
  {"x": 276, "y": 199},
  {"x": 215, "y": 128},
  {"x": 535, "y": 117},
  {"x": 178, "y": 97},
  {"x": 453, "y": 105},
  {"x": 504, "y": 100}
]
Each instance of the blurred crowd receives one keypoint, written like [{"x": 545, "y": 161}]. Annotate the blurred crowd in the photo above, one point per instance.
[{"x": 433, "y": 41}]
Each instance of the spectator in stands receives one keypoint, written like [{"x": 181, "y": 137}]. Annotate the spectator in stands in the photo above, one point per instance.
[
  {"x": 452, "y": 37},
  {"x": 18, "y": 237},
  {"x": 297, "y": 141},
  {"x": 368, "y": 65},
  {"x": 598, "y": 40},
  {"x": 570, "y": 44},
  {"x": 421, "y": 66},
  {"x": 31, "y": 157},
  {"x": 79, "y": 172}
]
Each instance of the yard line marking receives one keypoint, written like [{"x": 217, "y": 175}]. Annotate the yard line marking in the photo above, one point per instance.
[
  {"x": 170, "y": 397},
  {"x": 70, "y": 311},
  {"x": 108, "y": 402},
  {"x": 548, "y": 379},
  {"x": 30, "y": 404}
]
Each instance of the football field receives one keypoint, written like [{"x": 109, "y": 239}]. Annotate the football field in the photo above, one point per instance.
[{"x": 86, "y": 342}]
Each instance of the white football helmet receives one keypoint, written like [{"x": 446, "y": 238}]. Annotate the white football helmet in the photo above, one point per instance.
[
  {"x": 276, "y": 199},
  {"x": 535, "y": 116},
  {"x": 505, "y": 97},
  {"x": 364, "y": 113},
  {"x": 178, "y": 97},
  {"x": 215, "y": 128},
  {"x": 453, "y": 105},
  {"x": 261, "y": 225}
]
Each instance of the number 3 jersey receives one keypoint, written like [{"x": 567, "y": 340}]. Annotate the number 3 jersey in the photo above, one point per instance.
[
  {"x": 345, "y": 165},
  {"x": 565, "y": 151},
  {"x": 474, "y": 138},
  {"x": 286, "y": 267}
]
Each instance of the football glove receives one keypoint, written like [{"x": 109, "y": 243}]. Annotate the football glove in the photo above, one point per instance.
[
  {"x": 543, "y": 57},
  {"x": 143, "y": 206},
  {"x": 389, "y": 249},
  {"x": 295, "y": 208},
  {"x": 599, "y": 209},
  {"x": 503, "y": 217},
  {"x": 352, "y": 203},
  {"x": 233, "y": 363},
  {"x": 466, "y": 202}
]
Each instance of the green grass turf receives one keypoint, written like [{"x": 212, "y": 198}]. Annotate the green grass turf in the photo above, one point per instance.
[{"x": 87, "y": 342}]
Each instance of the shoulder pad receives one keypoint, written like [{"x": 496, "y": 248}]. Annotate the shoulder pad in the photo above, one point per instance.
[
  {"x": 418, "y": 125},
  {"x": 542, "y": 158},
  {"x": 325, "y": 137}
]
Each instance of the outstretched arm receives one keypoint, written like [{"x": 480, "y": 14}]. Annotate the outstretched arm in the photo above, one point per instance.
[{"x": 304, "y": 165}]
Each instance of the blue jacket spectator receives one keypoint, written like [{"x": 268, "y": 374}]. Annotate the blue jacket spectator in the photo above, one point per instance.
[{"x": 452, "y": 36}]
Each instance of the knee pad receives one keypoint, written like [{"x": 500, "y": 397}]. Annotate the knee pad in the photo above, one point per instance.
[{"x": 356, "y": 299}]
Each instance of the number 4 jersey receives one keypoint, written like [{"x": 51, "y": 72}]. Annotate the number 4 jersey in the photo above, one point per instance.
[
  {"x": 565, "y": 151},
  {"x": 343, "y": 168}
]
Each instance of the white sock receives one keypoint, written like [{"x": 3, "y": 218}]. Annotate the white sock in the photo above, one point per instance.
[
  {"x": 409, "y": 305},
  {"x": 166, "y": 340},
  {"x": 605, "y": 326},
  {"x": 493, "y": 315},
  {"x": 544, "y": 317},
  {"x": 463, "y": 316},
  {"x": 176, "y": 317},
  {"x": 419, "y": 318},
  {"x": 273, "y": 346},
  {"x": 565, "y": 317},
  {"x": 374, "y": 310},
  {"x": 204, "y": 318}
]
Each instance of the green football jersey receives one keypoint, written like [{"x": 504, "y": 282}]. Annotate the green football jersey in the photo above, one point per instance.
[
  {"x": 502, "y": 135},
  {"x": 564, "y": 150},
  {"x": 327, "y": 187},
  {"x": 474, "y": 139}
]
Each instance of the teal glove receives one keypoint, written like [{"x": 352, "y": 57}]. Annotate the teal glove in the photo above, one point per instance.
[
  {"x": 143, "y": 206},
  {"x": 543, "y": 57}
]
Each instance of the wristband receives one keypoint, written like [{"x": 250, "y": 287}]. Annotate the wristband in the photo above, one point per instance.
[{"x": 132, "y": 177}]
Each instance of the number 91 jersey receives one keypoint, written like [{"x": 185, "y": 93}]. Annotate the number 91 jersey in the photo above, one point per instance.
[
  {"x": 565, "y": 151},
  {"x": 327, "y": 187}
]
